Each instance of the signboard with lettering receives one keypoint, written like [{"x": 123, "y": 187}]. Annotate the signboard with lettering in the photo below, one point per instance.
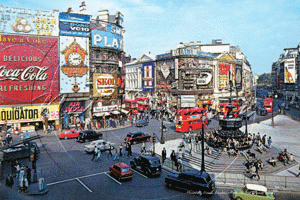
[
  {"x": 28, "y": 69},
  {"x": 28, "y": 22},
  {"x": 223, "y": 75},
  {"x": 104, "y": 84},
  {"x": 290, "y": 70},
  {"x": 74, "y": 24},
  {"x": 28, "y": 113},
  {"x": 121, "y": 84},
  {"x": 112, "y": 37},
  {"x": 148, "y": 77},
  {"x": 188, "y": 101},
  {"x": 73, "y": 106},
  {"x": 74, "y": 64}
]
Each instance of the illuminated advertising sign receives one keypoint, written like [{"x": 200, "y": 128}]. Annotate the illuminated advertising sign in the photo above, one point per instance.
[
  {"x": 223, "y": 75},
  {"x": 74, "y": 24},
  {"x": 188, "y": 101},
  {"x": 164, "y": 56},
  {"x": 73, "y": 106},
  {"x": 28, "y": 69},
  {"x": 238, "y": 77},
  {"x": 74, "y": 64},
  {"x": 104, "y": 84},
  {"x": 28, "y": 22},
  {"x": 289, "y": 70},
  {"x": 190, "y": 52},
  {"x": 121, "y": 84},
  {"x": 28, "y": 113},
  {"x": 111, "y": 38},
  {"x": 148, "y": 77}
]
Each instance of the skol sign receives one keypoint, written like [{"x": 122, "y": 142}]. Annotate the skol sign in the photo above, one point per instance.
[{"x": 104, "y": 84}]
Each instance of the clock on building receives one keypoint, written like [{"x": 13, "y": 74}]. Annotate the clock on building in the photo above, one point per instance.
[{"x": 74, "y": 59}]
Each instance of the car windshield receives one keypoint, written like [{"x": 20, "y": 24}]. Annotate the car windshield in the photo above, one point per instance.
[
  {"x": 208, "y": 178},
  {"x": 126, "y": 169},
  {"x": 93, "y": 143},
  {"x": 128, "y": 135},
  {"x": 156, "y": 162}
]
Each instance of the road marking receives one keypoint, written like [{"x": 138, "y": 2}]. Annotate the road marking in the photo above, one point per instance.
[
  {"x": 112, "y": 178},
  {"x": 139, "y": 173},
  {"x": 83, "y": 185},
  {"x": 72, "y": 179}
]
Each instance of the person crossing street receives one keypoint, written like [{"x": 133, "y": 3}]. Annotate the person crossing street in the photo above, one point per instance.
[{"x": 109, "y": 150}]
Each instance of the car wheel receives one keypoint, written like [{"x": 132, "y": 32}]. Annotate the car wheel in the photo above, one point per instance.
[
  {"x": 119, "y": 178},
  {"x": 238, "y": 198},
  {"x": 65, "y": 137},
  {"x": 199, "y": 193}
]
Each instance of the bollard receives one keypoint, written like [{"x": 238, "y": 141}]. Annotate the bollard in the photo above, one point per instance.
[{"x": 41, "y": 184}]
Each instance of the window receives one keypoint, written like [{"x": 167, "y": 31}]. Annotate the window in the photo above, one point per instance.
[
  {"x": 126, "y": 169},
  {"x": 117, "y": 168},
  {"x": 261, "y": 193}
]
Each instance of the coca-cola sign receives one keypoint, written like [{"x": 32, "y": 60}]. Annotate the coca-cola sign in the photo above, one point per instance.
[
  {"x": 28, "y": 69},
  {"x": 105, "y": 84}
]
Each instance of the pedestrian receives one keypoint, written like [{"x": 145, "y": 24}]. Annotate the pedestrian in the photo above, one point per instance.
[
  {"x": 9, "y": 182},
  {"x": 129, "y": 152},
  {"x": 116, "y": 155},
  {"x": 163, "y": 155},
  {"x": 179, "y": 164},
  {"x": 98, "y": 154},
  {"x": 196, "y": 142},
  {"x": 17, "y": 166},
  {"x": 95, "y": 153},
  {"x": 28, "y": 174},
  {"x": 269, "y": 142},
  {"x": 26, "y": 134},
  {"x": 258, "y": 138},
  {"x": 173, "y": 156},
  {"x": 299, "y": 172},
  {"x": 12, "y": 165},
  {"x": 109, "y": 150},
  {"x": 24, "y": 184},
  {"x": 143, "y": 148},
  {"x": 264, "y": 140},
  {"x": 21, "y": 174},
  {"x": 120, "y": 148},
  {"x": 190, "y": 146}
]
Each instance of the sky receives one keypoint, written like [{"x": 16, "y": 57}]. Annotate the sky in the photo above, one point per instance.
[{"x": 261, "y": 29}]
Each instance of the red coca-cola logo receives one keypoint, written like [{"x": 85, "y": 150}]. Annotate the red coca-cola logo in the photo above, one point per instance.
[{"x": 28, "y": 71}]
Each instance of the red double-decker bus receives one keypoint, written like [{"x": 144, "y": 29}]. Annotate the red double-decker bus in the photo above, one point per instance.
[
  {"x": 268, "y": 104},
  {"x": 223, "y": 110},
  {"x": 189, "y": 119},
  {"x": 143, "y": 102},
  {"x": 131, "y": 106}
]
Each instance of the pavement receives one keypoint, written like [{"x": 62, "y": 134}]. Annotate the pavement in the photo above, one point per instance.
[
  {"x": 33, "y": 188},
  {"x": 231, "y": 171}
]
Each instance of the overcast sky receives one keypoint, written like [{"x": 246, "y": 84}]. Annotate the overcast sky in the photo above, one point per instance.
[{"x": 261, "y": 29}]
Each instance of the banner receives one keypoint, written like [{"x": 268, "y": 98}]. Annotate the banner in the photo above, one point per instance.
[
  {"x": 72, "y": 24},
  {"x": 148, "y": 77},
  {"x": 28, "y": 69},
  {"x": 238, "y": 77},
  {"x": 289, "y": 71},
  {"x": 28, "y": 22},
  {"x": 28, "y": 113},
  {"x": 74, "y": 64}
]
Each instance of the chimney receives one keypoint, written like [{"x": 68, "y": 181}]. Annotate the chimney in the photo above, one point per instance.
[
  {"x": 69, "y": 10},
  {"x": 82, "y": 8}
]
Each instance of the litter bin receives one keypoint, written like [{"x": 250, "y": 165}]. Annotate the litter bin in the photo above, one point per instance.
[{"x": 41, "y": 184}]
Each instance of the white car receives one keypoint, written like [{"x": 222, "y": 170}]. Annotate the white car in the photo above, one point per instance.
[{"x": 102, "y": 144}]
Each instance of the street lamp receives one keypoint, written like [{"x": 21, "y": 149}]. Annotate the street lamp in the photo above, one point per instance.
[
  {"x": 246, "y": 131},
  {"x": 202, "y": 143},
  {"x": 162, "y": 140},
  {"x": 272, "y": 122}
]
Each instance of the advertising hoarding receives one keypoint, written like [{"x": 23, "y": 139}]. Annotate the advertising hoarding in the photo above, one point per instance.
[
  {"x": 28, "y": 69},
  {"x": 28, "y": 113},
  {"x": 73, "y": 106},
  {"x": 28, "y": 22},
  {"x": 111, "y": 38},
  {"x": 148, "y": 77},
  {"x": 290, "y": 70},
  {"x": 104, "y": 85},
  {"x": 238, "y": 77},
  {"x": 71, "y": 24},
  {"x": 74, "y": 64},
  {"x": 121, "y": 84},
  {"x": 188, "y": 101},
  {"x": 223, "y": 75}
]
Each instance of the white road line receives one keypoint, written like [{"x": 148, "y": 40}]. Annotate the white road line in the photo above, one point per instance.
[
  {"x": 72, "y": 179},
  {"x": 83, "y": 185},
  {"x": 139, "y": 173},
  {"x": 112, "y": 178}
]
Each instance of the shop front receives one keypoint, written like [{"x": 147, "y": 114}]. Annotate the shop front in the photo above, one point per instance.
[
  {"x": 73, "y": 114},
  {"x": 30, "y": 118}
]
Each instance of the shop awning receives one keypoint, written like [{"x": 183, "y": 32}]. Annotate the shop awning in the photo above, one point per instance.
[
  {"x": 115, "y": 112},
  {"x": 102, "y": 114},
  {"x": 124, "y": 111}
]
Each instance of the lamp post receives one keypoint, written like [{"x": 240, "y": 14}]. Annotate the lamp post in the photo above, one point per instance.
[
  {"x": 162, "y": 140},
  {"x": 202, "y": 144},
  {"x": 272, "y": 122},
  {"x": 246, "y": 130}
]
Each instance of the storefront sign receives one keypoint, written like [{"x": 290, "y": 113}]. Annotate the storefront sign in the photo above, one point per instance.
[
  {"x": 104, "y": 84},
  {"x": 74, "y": 59},
  {"x": 28, "y": 22},
  {"x": 28, "y": 113},
  {"x": 72, "y": 24},
  {"x": 111, "y": 38},
  {"x": 28, "y": 69},
  {"x": 73, "y": 106}
]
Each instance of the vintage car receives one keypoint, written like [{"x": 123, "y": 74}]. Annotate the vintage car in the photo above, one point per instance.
[
  {"x": 102, "y": 144},
  {"x": 252, "y": 191},
  {"x": 121, "y": 171},
  {"x": 136, "y": 137},
  {"x": 194, "y": 182},
  {"x": 142, "y": 123},
  {"x": 148, "y": 165},
  {"x": 20, "y": 151},
  {"x": 88, "y": 135},
  {"x": 66, "y": 134}
]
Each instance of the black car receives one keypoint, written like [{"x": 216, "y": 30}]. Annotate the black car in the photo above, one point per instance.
[
  {"x": 262, "y": 112},
  {"x": 148, "y": 165},
  {"x": 136, "y": 137},
  {"x": 141, "y": 123},
  {"x": 191, "y": 181},
  {"x": 88, "y": 135}
]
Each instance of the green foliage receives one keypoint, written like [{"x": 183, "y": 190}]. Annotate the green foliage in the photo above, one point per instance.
[{"x": 264, "y": 79}]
